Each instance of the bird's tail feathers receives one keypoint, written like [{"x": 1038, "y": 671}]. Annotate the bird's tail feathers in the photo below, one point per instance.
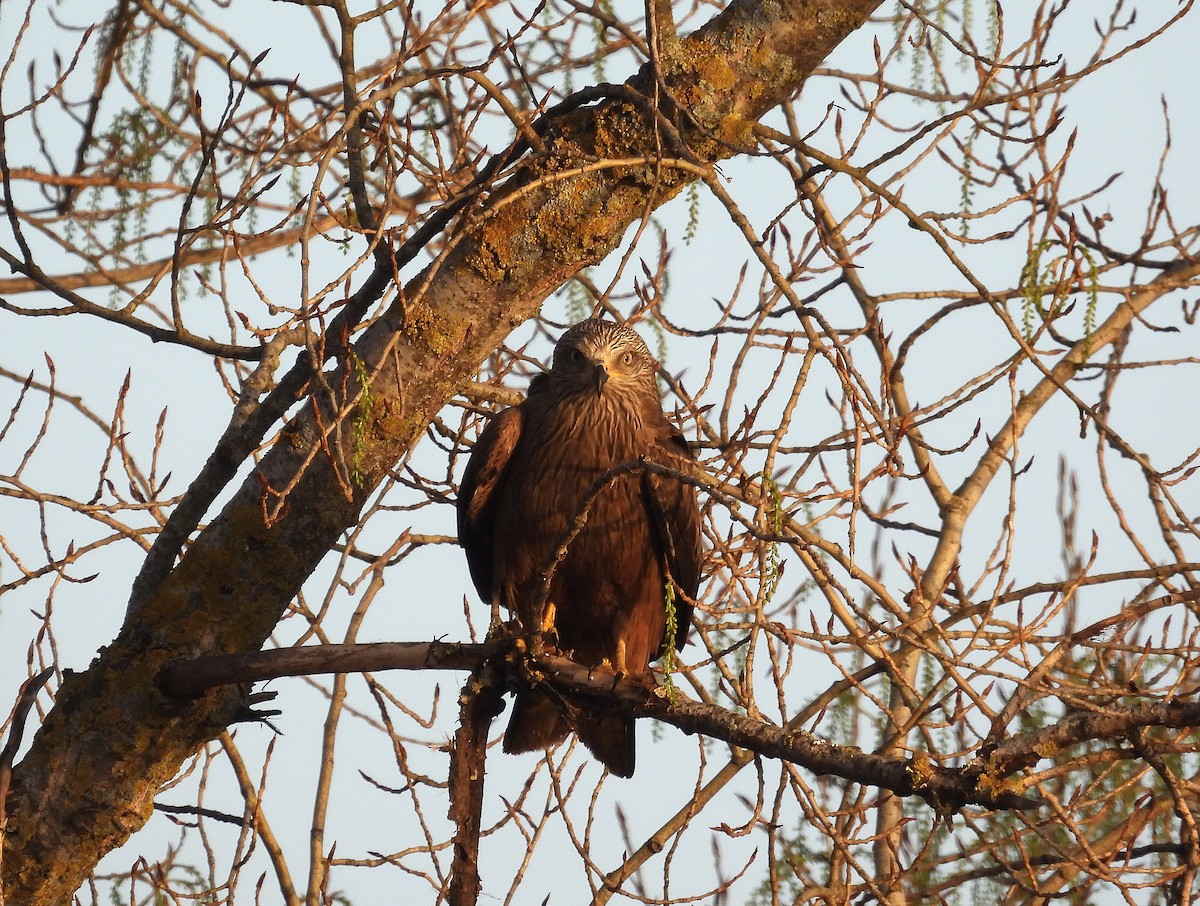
[
  {"x": 610, "y": 738},
  {"x": 536, "y": 723}
]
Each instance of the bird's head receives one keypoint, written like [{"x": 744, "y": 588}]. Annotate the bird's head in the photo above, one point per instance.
[{"x": 597, "y": 354}]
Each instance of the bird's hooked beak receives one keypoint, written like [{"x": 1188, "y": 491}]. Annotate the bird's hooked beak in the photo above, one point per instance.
[{"x": 600, "y": 377}]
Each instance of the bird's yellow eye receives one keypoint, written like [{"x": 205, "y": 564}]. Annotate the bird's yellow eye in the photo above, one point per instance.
[{"x": 627, "y": 358}]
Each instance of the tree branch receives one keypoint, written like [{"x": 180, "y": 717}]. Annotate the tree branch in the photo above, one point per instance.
[
  {"x": 944, "y": 788},
  {"x": 984, "y": 781},
  {"x": 479, "y": 702}
]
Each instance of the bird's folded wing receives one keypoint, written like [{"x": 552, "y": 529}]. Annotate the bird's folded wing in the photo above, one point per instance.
[
  {"x": 479, "y": 494},
  {"x": 676, "y": 518}
]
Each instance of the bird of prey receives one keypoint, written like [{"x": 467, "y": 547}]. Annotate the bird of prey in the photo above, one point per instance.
[{"x": 522, "y": 493}]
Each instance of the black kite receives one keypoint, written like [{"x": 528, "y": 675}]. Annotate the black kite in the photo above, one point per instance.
[{"x": 524, "y": 487}]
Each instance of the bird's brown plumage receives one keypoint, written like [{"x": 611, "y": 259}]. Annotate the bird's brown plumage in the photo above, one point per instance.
[{"x": 524, "y": 485}]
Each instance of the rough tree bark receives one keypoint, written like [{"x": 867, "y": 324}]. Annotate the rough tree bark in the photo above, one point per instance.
[{"x": 113, "y": 739}]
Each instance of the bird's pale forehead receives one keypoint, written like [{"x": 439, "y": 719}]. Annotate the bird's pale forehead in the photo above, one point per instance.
[{"x": 598, "y": 333}]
